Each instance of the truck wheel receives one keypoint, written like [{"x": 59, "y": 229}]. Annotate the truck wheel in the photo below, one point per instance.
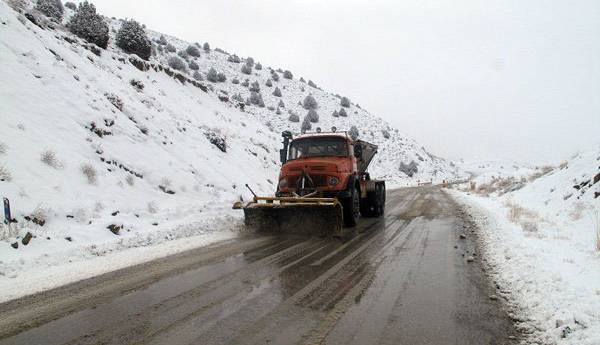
[{"x": 352, "y": 209}]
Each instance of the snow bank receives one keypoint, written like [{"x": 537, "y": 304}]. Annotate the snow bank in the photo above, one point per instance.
[{"x": 541, "y": 243}]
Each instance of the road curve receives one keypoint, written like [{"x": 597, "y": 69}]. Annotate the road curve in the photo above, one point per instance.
[{"x": 400, "y": 279}]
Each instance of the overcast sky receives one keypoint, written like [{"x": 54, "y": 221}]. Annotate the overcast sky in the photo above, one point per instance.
[{"x": 468, "y": 79}]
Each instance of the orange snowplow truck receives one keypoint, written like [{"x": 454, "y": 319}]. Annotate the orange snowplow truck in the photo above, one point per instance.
[{"x": 323, "y": 186}]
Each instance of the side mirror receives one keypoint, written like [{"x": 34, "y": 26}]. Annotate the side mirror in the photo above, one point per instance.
[
  {"x": 283, "y": 156},
  {"x": 357, "y": 151}
]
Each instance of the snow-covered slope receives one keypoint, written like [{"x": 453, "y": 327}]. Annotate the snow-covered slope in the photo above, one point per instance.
[
  {"x": 96, "y": 140},
  {"x": 543, "y": 242}
]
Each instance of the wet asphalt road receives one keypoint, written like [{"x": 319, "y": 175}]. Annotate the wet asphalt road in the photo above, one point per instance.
[{"x": 398, "y": 280}]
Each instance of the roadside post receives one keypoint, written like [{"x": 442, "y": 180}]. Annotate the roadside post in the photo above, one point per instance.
[{"x": 7, "y": 216}]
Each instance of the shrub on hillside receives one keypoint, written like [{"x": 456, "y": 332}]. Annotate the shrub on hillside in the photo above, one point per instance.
[
  {"x": 288, "y": 75},
  {"x": 221, "y": 77},
  {"x": 256, "y": 99},
  {"x": 246, "y": 83},
  {"x": 138, "y": 85},
  {"x": 310, "y": 102},
  {"x": 71, "y": 5},
  {"x": 306, "y": 125},
  {"x": 162, "y": 40},
  {"x": 206, "y": 47},
  {"x": 52, "y": 9},
  {"x": 258, "y": 66},
  {"x": 277, "y": 92},
  {"x": 5, "y": 174},
  {"x": 215, "y": 138},
  {"x": 385, "y": 133},
  {"x": 353, "y": 132},
  {"x": 171, "y": 48},
  {"x": 246, "y": 69},
  {"x": 193, "y": 65},
  {"x": 250, "y": 61},
  {"x": 90, "y": 173},
  {"x": 233, "y": 58},
  {"x": 212, "y": 75},
  {"x": 132, "y": 38},
  {"x": 235, "y": 81},
  {"x": 313, "y": 116},
  {"x": 176, "y": 63},
  {"x": 193, "y": 51},
  {"x": 275, "y": 76},
  {"x": 409, "y": 169},
  {"x": 89, "y": 25},
  {"x": 345, "y": 102},
  {"x": 254, "y": 87},
  {"x": 302, "y": 80},
  {"x": 342, "y": 113},
  {"x": 294, "y": 118},
  {"x": 114, "y": 100}
]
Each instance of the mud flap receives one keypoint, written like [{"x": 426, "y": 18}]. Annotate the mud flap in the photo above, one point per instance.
[{"x": 323, "y": 220}]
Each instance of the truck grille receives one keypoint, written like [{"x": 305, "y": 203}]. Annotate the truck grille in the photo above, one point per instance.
[{"x": 319, "y": 180}]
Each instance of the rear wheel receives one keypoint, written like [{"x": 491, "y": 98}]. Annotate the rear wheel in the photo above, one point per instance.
[{"x": 352, "y": 208}]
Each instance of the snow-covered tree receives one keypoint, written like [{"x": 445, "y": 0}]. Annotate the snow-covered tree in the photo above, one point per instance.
[
  {"x": 254, "y": 87},
  {"x": 258, "y": 66},
  {"x": 206, "y": 47},
  {"x": 256, "y": 99},
  {"x": 250, "y": 61},
  {"x": 89, "y": 25},
  {"x": 277, "y": 92},
  {"x": 345, "y": 102},
  {"x": 312, "y": 84},
  {"x": 193, "y": 65},
  {"x": 233, "y": 58},
  {"x": 353, "y": 132},
  {"x": 212, "y": 75},
  {"x": 197, "y": 76},
  {"x": 132, "y": 38},
  {"x": 306, "y": 125},
  {"x": 269, "y": 83},
  {"x": 313, "y": 116},
  {"x": 53, "y": 9},
  {"x": 246, "y": 69},
  {"x": 176, "y": 63},
  {"x": 171, "y": 48},
  {"x": 294, "y": 118},
  {"x": 281, "y": 104},
  {"x": 288, "y": 75},
  {"x": 192, "y": 51},
  {"x": 162, "y": 40},
  {"x": 343, "y": 113},
  {"x": 310, "y": 102},
  {"x": 409, "y": 169},
  {"x": 385, "y": 134},
  {"x": 275, "y": 76},
  {"x": 221, "y": 77},
  {"x": 335, "y": 113},
  {"x": 71, "y": 5}
]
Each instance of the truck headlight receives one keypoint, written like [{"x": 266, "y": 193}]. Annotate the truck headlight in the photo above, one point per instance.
[
  {"x": 332, "y": 180},
  {"x": 283, "y": 183}
]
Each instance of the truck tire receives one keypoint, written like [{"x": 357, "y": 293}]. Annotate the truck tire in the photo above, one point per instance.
[{"x": 351, "y": 208}]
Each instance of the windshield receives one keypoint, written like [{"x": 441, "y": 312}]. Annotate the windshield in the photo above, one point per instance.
[{"x": 318, "y": 147}]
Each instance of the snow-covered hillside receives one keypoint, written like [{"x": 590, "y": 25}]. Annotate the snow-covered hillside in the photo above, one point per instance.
[
  {"x": 100, "y": 150},
  {"x": 542, "y": 241}
]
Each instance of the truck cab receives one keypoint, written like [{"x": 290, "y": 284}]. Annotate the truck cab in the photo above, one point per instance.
[{"x": 331, "y": 165}]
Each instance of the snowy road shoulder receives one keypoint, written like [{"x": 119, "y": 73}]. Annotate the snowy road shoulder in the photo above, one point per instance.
[
  {"x": 549, "y": 272},
  {"x": 43, "y": 269}
]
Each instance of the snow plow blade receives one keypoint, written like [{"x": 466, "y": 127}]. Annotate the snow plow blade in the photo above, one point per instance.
[{"x": 295, "y": 215}]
